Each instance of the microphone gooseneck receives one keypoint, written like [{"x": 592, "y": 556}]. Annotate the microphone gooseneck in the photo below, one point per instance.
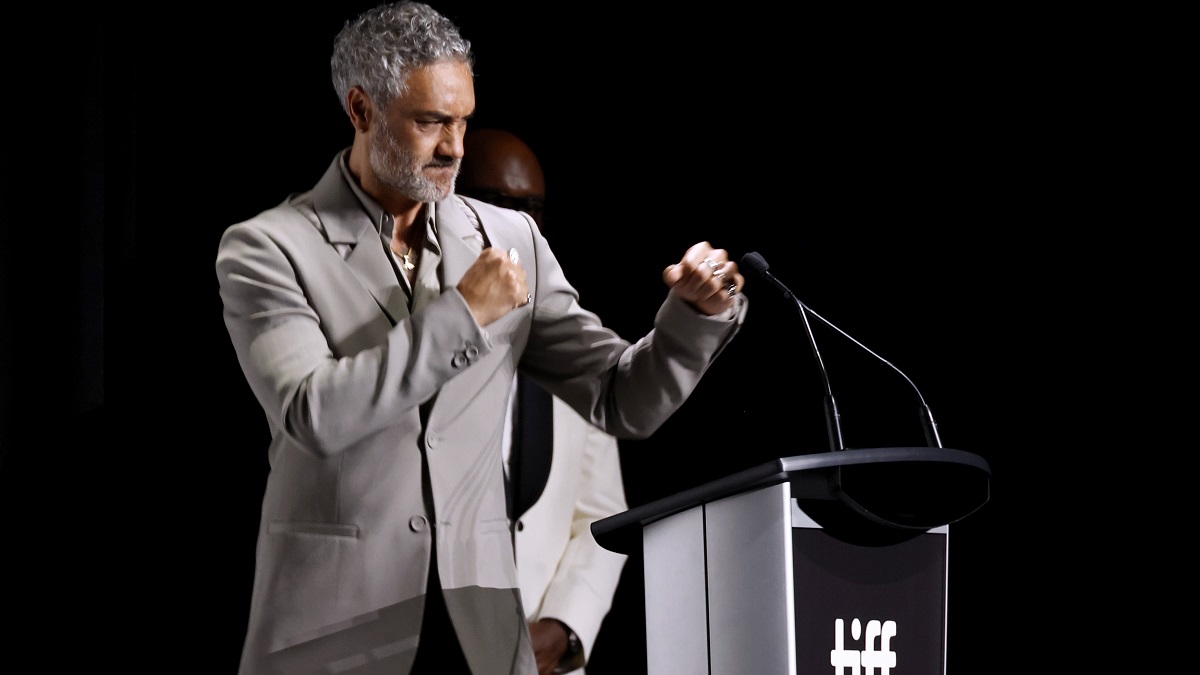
[
  {"x": 833, "y": 419},
  {"x": 757, "y": 264},
  {"x": 927, "y": 421}
]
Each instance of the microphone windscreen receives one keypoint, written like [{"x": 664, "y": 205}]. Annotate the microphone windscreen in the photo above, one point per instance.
[{"x": 755, "y": 263}]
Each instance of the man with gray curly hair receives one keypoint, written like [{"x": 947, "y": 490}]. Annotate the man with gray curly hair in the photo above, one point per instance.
[{"x": 379, "y": 319}]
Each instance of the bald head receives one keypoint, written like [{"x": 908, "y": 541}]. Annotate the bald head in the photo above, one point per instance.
[{"x": 498, "y": 167}]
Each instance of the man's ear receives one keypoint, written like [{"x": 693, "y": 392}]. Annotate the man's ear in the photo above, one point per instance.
[{"x": 361, "y": 109}]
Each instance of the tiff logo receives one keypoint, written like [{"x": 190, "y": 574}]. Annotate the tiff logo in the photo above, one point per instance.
[{"x": 868, "y": 658}]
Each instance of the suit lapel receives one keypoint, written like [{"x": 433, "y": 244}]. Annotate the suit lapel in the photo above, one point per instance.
[
  {"x": 461, "y": 242},
  {"x": 533, "y": 442},
  {"x": 533, "y": 446},
  {"x": 347, "y": 224},
  {"x": 370, "y": 263}
]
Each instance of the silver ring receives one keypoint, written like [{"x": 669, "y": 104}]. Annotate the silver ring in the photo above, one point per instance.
[
  {"x": 528, "y": 298},
  {"x": 712, "y": 263},
  {"x": 514, "y": 256},
  {"x": 719, "y": 274},
  {"x": 732, "y": 290}
]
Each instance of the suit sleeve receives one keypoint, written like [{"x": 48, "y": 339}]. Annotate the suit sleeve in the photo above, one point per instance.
[{"x": 627, "y": 389}]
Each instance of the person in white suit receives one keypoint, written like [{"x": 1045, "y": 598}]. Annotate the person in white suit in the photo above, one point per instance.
[
  {"x": 379, "y": 320},
  {"x": 567, "y": 580}
]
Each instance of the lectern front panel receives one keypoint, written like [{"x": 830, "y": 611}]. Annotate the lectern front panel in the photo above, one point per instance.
[
  {"x": 869, "y": 608},
  {"x": 676, "y": 594},
  {"x": 750, "y": 583}
]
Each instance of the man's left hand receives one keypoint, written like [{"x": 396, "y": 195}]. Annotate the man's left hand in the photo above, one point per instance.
[{"x": 706, "y": 278}]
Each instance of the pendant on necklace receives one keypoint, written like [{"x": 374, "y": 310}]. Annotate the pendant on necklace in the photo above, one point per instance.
[{"x": 408, "y": 263}]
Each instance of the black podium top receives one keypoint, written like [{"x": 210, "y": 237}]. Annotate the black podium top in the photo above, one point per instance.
[{"x": 869, "y": 496}]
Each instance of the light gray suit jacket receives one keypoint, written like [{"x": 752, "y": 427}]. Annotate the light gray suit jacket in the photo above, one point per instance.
[{"x": 386, "y": 426}]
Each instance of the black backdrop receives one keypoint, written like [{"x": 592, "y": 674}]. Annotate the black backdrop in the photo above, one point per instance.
[{"x": 892, "y": 171}]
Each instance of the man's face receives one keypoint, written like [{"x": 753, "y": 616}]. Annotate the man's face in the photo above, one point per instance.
[{"x": 417, "y": 147}]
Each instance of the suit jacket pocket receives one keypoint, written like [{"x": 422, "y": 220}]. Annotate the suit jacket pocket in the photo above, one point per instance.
[{"x": 320, "y": 529}]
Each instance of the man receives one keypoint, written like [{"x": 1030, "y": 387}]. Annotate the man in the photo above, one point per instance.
[
  {"x": 379, "y": 320},
  {"x": 559, "y": 486}
]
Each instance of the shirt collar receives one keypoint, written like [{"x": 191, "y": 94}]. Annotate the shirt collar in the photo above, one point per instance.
[{"x": 383, "y": 221}]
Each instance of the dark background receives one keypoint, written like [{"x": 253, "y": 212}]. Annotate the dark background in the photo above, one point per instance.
[{"x": 924, "y": 182}]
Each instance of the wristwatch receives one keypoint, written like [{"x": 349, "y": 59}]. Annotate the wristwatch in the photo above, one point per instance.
[{"x": 572, "y": 659}]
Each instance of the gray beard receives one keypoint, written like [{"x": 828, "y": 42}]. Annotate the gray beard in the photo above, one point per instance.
[{"x": 399, "y": 169}]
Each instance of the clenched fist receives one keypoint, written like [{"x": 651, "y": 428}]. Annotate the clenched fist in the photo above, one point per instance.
[
  {"x": 494, "y": 285},
  {"x": 706, "y": 278}
]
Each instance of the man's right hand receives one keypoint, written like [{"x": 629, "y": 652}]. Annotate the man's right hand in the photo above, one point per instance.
[{"x": 494, "y": 285}]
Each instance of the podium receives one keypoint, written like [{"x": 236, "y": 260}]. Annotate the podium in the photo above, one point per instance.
[{"x": 831, "y": 563}]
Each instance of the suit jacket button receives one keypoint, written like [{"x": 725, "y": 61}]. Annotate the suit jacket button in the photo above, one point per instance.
[{"x": 417, "y": 523}]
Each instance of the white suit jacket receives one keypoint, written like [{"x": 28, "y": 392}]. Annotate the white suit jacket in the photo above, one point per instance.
[
  {"x": 386, "y": 425},
  {"x": 563, "y": 573}
]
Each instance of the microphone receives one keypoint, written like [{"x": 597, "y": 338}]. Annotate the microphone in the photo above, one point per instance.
[
  {"x": 833, "y": 419},
  {"x": 758, "y": 265}
]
